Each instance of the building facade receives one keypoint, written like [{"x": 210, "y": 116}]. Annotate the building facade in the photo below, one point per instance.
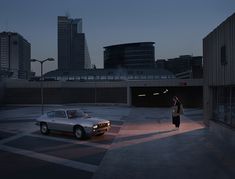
[
  {"x": 15, "y": 54},
  {"x": 72, "y": 46},
  {"x": 219, "y": 76},
  {"x": 130, "y": 55},
  {"x": 184, "y": 66}
]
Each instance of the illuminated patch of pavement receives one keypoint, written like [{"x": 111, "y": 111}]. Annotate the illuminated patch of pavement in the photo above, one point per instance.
[
  {"x": 106, "y": 139},
  {"x": 116, "y": 122},
  {"x": 115, "y": 129}
]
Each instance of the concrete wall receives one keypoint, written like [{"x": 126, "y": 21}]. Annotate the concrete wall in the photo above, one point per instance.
[
  {"x": 219, "y": 65},
  {"x": 124, "y": 92},
  {"x": 66, "y": 95},
  {"x": 218, "y": 72},
  {"x": 215, "y": 72},
  {"x": 105, "y": 84}
]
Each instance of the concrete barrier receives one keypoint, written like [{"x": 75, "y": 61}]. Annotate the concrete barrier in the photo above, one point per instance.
[{"x": 121, "y": 92}]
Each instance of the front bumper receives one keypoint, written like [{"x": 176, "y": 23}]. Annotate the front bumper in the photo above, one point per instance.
[
  {"x": 93, "y": 132},
  {"x": 100, "y": 130}
]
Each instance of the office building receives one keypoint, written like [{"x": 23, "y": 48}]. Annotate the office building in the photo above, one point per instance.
[
  {"x": 72, "y": 46},
  {"x": 130, "y": 55},
  {"x": 219, "y": 78},
  {"x": 15, "y": 54},
  {"x": 184, "y": 66}
]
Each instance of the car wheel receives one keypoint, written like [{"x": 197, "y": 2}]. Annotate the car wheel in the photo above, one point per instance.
[
  {"x": 79, "y": 132},
  {"x": 44, "y": 129},
  {"x": 100, "y": 134}
]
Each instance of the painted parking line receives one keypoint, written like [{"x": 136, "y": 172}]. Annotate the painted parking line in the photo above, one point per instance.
[
  {"x": 72, "y": 141},
  {"x": 100, "y": 142},
  {"x": 8, "y": 131},
  {"x": 14, "y": 137},
  {"x": 52, "y": 159}
]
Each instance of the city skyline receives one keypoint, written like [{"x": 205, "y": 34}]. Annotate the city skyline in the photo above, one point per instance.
[
  {"x": 72, "y": 47},
  {"x": 177, "y": 28}
]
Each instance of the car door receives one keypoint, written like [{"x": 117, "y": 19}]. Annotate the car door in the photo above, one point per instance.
[
  {"x": 61, "y": 121},
  {"x": 50, "y": 119}
]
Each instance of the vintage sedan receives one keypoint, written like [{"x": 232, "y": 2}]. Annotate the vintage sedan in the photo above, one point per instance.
[{"x": 72, "y": 120}]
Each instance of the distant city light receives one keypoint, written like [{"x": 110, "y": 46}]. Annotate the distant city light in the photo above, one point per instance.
[
  {"x": 142, "y": 95},
  {"x": 165, "y": 91},
  {"x": 155, "y": 94}
]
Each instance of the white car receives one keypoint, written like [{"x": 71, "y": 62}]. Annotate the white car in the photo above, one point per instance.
[{"x": 72, "y": 120}]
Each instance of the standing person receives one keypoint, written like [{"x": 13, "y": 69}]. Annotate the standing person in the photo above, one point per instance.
[{"x": 177, "y": 109}]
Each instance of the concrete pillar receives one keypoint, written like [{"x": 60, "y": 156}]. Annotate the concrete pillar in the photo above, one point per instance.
[
  {"x": 207, "y": 104},
  {"x": 129, "y": 95},
  {"x": 2, "y": 91}
]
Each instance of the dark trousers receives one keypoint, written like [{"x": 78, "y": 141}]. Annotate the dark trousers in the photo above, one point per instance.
[{"x": 176, "y": 121}]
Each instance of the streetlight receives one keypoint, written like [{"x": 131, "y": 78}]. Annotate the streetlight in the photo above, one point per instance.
[{"x": 41, "y": 80}]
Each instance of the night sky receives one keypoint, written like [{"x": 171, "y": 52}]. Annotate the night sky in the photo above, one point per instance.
[{"x": 176, "y": 26}]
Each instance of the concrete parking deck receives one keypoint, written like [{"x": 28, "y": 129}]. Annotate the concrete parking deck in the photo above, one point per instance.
[{"x": 142, "y": 144}]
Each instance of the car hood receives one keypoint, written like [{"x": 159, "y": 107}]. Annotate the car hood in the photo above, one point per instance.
[{"x": 94, "y": 120}]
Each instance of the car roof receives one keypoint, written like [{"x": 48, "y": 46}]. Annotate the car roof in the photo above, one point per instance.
[{"x": 70, "y": 109}]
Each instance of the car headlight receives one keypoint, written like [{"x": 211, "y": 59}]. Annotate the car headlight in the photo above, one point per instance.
[
  {"x": 109, "y": 123},
  {"x": 95, "y": 126}
]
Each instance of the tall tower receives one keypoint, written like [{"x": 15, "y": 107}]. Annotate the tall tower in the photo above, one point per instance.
[
  {"x": 15, "y": 53},
  {"x": 72, "y": 46}
]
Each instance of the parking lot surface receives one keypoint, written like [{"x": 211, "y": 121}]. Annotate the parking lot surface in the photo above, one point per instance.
[{"x": 142, "y": 143}]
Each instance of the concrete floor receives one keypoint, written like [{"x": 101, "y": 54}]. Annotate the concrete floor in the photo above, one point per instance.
[{"x": 142, "y": 144}]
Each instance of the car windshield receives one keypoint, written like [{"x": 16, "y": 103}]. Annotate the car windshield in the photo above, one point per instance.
[{"x": 75, "y": 113}]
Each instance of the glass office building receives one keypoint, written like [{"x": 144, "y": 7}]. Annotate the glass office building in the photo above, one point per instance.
[
  {"x": 15, "y": 54},
  {"x": 72, "y": 46},
  {"x": 130, "y": 55},
  {"x": 184, "y": 66}
]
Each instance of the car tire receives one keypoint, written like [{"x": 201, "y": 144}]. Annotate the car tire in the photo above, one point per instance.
[
  {"x": 79, "y": 132},
  {"x": 44, "y": 128}
]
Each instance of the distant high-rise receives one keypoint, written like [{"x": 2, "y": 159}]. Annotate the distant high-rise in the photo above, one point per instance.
[
  {"x": 72, "y": 47},
  {"x": 130, "y": 55},
  {"x": 183, "y": 64},
  {"x": 15, "y": 54}
]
